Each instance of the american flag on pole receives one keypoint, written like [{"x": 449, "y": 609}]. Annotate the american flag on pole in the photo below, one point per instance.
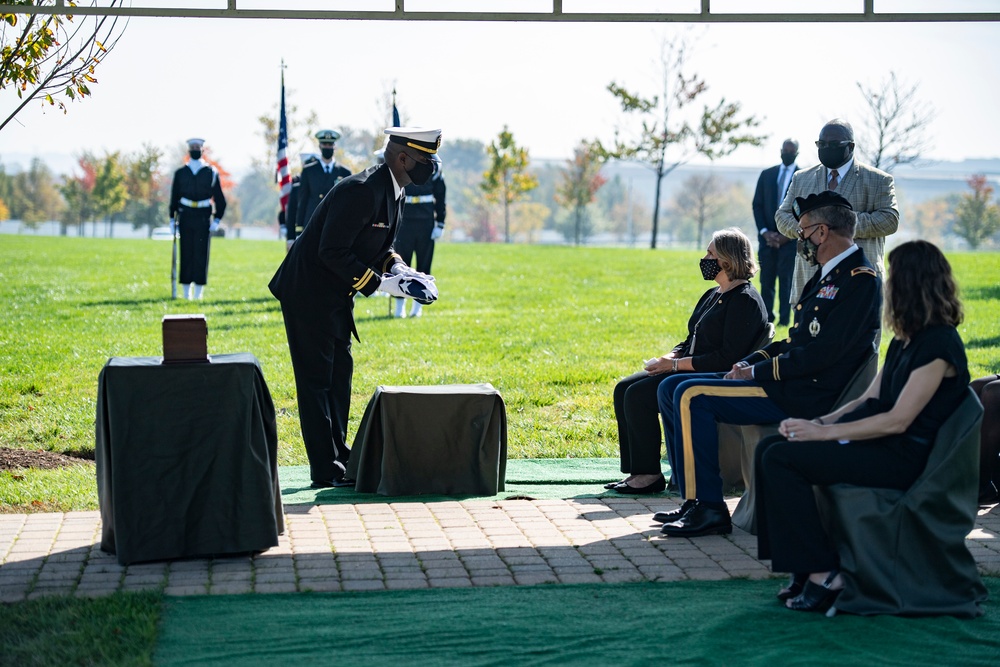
[
  {"x": 283, "y": 177},
  {"x": 395, "y": 111}
]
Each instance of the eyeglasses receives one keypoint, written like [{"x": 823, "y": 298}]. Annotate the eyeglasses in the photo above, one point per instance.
[
  {"x": 801, "y": 231},
  {"x": 831, "y": 144}
]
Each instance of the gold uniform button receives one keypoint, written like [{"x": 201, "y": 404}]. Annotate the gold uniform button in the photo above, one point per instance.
[
  {"x": 815, "y": 307},
  {"x": 788, "y": 340},
  {"x": 798, "y": 306}
]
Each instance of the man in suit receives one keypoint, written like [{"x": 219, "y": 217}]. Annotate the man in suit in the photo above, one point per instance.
[
  {"x": 196, "y": 209},
  {"x": 291, "y": 214},
  {"x": 836, "y": 322},
  {"x": 346, "y": 249},
  {"x": 422, "y": 225},
  {"x": 776, "y": 252},
  {"x": 318, "y": 177},
  {"x": 871, "y": 192}
]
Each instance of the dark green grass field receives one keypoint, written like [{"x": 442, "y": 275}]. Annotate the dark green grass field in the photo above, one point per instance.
[{"x": 553, "y": 328}]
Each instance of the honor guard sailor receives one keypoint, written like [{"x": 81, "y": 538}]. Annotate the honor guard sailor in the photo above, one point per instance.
[
  {"x": 196, "y": 209},
  {"x": 346, "y": 249},
  {"x": 318, "y": 177},
  {"x": 422, "y": 225}
]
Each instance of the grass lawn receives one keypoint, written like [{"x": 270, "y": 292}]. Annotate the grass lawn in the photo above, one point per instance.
[{"x": 553, "y": 328}]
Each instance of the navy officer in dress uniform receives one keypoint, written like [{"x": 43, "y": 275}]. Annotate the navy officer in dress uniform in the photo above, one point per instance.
[
  {"x": 196, "y": 208},
  {"x": 836, "y": 322},
  {"x": 346, "y": 249},
  {"x": 423, "y": 224},
  {"x": 318, "y": 177},
  {"x": 291, "y": 213}
]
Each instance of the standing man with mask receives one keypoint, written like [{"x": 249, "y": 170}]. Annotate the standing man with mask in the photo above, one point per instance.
[
  {"x": 422, "y": 225},
  {"x": 871, "y": 192},
  {"x": 193, "y": 195},
  {"x": 345, "y": 249},
  {"x": 776, "y": 252},
  {"x": 318, "y": 177}
]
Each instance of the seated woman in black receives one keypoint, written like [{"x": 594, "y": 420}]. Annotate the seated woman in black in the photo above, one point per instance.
[
  {"x": 880, "y": 440},
  {"x": 725, "y": 325},
  {"x": 988, "y": 390}
]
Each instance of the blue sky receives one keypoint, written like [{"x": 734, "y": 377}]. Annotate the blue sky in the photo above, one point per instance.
[{"x": 169, "y": 79}]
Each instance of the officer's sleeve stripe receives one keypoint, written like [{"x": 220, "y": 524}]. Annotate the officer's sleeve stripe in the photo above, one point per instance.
[
  {"x": 364, "y": 280},
  {"x": 389, "y": 262},
  {"x": 776, "y": 369}
]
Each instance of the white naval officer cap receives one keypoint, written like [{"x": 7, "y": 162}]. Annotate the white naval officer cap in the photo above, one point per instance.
[
  {"x": 195, "y": 142},
  {"x": 422, "y": 139},
  {"x": 324, "y": 136}
]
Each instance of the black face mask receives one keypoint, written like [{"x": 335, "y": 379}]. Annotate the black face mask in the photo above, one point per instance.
[
  {"x": 788, "y": 159},
  {"x": 421, "y": 172},
  {"x": 710, "y": 268},
  {"x": 835, "y": 156},
  {"x": 327, "y": 153},
  {"x": 195, "y": 154}
]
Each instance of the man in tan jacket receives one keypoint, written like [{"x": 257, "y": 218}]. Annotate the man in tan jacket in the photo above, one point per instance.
[{"x": 871, "y": 192}]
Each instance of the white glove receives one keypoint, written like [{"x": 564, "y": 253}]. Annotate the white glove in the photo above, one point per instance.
[
  {"x": 416, "y": 287},
  {"x": 400, "y": 269},
  {"x": 173, "y": 227},
  {"x": 436, "y": 233},
  {"x": 214, "y": 226}
]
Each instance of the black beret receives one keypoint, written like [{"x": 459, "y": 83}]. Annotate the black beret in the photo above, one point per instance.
[{"x": 803, "y": 205}]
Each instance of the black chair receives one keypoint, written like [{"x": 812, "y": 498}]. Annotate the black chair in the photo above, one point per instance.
[
  {"x": 745, "y": 515},
  {"x": 904, "y": 552}
]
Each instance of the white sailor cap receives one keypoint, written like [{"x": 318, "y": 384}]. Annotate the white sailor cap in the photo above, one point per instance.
[
  {"x": 324, "y": 136},
  {"x": 422, "y": 139},
  {"x": 195, "y": 142}
]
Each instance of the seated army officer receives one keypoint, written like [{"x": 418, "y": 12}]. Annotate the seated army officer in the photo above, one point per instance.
[{"x": 836, "y": 322}]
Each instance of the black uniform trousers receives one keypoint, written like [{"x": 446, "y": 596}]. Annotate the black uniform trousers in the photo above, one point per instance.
[
  {"x": 789, "y": 530},
  {"x": 193, "y": 225},
  {"x": 323, "y": 368},
  {"x": 777, "y": 265},
  {"x": 638, "y": 417},
  {"x": 414, "y": 236}
]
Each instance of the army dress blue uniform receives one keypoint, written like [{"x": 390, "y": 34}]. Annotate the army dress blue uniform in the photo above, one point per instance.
[{"x": 835, "y": 325}]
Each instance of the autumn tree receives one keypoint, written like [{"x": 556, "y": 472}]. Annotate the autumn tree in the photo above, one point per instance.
[
  {"x": 580, "y": 181},
  {"x": 671, "y": 131},
  {"x": 53, "y": 57},
  {"x": 977, "y": 217},
  {"x": 896, "y": 129},
  {"x": 506, "y": 180},
  {"x": 110, "y": 193},
  {"x": 77, "y": 190},
  {"x": 707, "y": 202},
  {"x": 34, "y": 195},
  {"x": 146, "y": 206}
]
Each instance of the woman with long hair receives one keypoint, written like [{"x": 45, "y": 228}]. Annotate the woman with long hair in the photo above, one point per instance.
[{"x": 880, "y": 440}]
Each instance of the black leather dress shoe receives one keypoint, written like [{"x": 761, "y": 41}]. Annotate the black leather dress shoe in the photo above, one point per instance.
[
  {"x": 322, "y": 484},
  {"x": 611, "y": 485},
  {"x": 700, "y": 520},
  {"x": 794, "y": 587},
  {"x": 343, "y": 481},
  {"x": 670, "y": 517},
  {"x": 657, "y": 486},
  {"x": 815, "y": 597}
]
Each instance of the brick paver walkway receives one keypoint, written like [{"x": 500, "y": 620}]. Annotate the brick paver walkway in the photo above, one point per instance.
[{"x": 407, "y": 545}]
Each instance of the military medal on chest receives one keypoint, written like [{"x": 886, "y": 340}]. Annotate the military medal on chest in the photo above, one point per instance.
[{"x": 814, "y": 328}]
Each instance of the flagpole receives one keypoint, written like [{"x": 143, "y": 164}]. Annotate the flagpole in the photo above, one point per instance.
[{"x": 282, "y": 175}]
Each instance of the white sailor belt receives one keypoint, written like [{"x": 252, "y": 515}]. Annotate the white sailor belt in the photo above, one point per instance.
[
  {"x": 190, "y": 203},
  {"x": 419, "y": 199}
]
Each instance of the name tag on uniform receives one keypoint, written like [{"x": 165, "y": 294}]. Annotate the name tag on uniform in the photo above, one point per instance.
[{"x": 828, "y": 292}]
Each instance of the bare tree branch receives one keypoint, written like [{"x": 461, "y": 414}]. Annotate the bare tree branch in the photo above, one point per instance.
[{"x": 898, "y": 122}]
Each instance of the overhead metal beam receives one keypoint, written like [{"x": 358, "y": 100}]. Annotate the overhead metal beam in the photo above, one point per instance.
[{"x": 555, "y": 13}]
